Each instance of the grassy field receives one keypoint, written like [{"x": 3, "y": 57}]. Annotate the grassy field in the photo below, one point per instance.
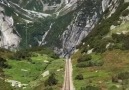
[
  {"x": 115, "y": 62},
  {"x": 30, "y": 72}
]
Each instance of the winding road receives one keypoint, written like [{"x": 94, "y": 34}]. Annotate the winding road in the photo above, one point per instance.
[{"x": 68, "y": 83}]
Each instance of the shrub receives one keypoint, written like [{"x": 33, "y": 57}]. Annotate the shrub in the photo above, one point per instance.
[
  {"x": 89, "y": 64},
  {"x": 126, "y": 43},
  {"x": 51, "y": 80},
  {"x": 44, "y": 50},
  {"x": 79, "y": 77},
  {"x": 48, "y": 88},
  {"x": 115, "y": 78},
  {"x": 120, "y": 76},
  {"x": 3, "y": 63},
  {"x": 100, "y": 45},
  {"x": 54, "y": 56},
  {"x": 97, "y": 63},
  {"x": 1, "y": 72},
  {"x": 125, "y": 12},
  {"x": 123, "y": 75},
  {"x": 84, "y": 58},
  {"x": 84, "y": 64},
  {"x": 122, "y": 39},
  {"x": 90, "y": 88},
  {"x": 85, "y": 49},
  {"x": 118, "y": 38},
  {"x": 19, "y": 55}
]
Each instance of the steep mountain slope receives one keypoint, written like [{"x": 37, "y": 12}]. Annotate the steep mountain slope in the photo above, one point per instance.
[
  {"x": 68, "y": 21},
  {"x": 101, "y": 62}
]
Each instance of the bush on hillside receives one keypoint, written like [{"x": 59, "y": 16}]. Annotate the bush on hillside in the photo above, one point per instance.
[
  {"x": 90, "y": 63},
  {"x": 1, "y": 72},
  {"x": 123, "y": 75},
  {"x": 120, "y": 76},
  {"x": 126, "y": 44},
  {"x": 122, "y": 39},
  {"x": 84, "y": 64},
  {"x": 90, "y": 88},
  {"x": 79, "y": 77},
  {"x": 22, "y": 55},
  {"x": 101, "y": 45},
  {"x": 84, "y": 58},
  {"x": 4, "y": 53},
  {"x": 3, "y": 63},
  {"x": 118, "y": 37},
  {"x": 44, "y": 50},
  {"x": 85, "y": 49},
  {"x": 115, "y": 78},
  {"x": 125, "y": 12},
  {"x": 97, "y": 63},
  {"x": 48, "y": 88},
  {"x": 54, "y": 56},
  {"x": 51, "y": 80}
]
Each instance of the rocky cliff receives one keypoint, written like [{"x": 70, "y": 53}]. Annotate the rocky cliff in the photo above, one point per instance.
[
  {"x": 84, "y": 21},
  {"x": 9, "y": 37}
]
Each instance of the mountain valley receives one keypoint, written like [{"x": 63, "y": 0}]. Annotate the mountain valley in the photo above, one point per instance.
[{"x": 37, "y": 37}]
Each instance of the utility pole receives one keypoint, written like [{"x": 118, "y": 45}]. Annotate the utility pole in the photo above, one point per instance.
[{"x": 26, "y": 35}]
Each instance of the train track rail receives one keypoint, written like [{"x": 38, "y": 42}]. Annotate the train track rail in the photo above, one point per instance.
[{"x": 67, "y": 78}]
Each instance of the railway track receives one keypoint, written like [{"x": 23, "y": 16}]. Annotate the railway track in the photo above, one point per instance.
[{"x": 67, "y": 78}]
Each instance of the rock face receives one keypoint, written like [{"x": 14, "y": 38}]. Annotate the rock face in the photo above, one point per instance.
[
  {"x": 9, "y": 38},
  {"x": 85, "y": 13},
  {"x": 84, "y": 22}
]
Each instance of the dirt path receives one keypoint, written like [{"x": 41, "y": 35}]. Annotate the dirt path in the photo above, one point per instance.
[{"x": 68, "y": 83}]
